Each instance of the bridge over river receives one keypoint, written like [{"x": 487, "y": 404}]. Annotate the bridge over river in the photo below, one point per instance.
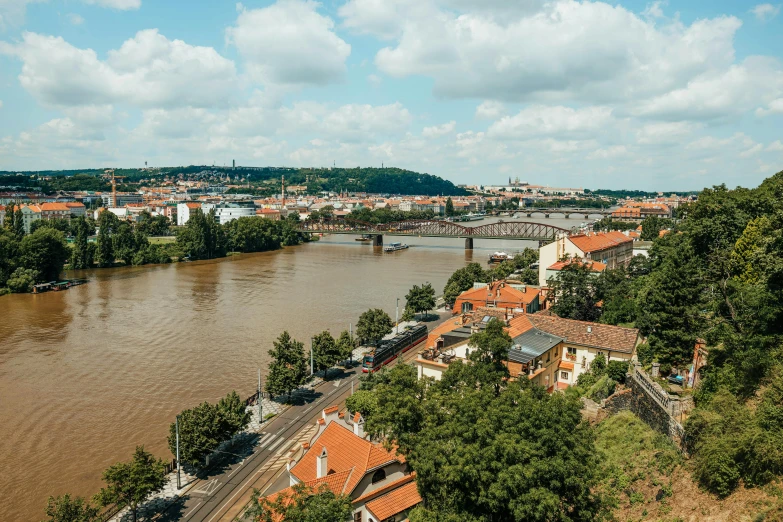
[{"x": 518, "y": 230}]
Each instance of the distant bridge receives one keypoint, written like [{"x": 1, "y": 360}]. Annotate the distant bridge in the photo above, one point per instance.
[
  {"x": 566, "y": 211},
  {"x": 517, "y": 230}
]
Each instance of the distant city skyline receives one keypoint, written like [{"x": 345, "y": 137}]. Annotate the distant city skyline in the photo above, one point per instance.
[{"x": 634, "y": 95}]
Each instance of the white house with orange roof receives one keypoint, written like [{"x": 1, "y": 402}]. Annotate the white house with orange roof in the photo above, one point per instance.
[
  {"x": 339, "y": 455},
  {"x": 613, "y": 249}
]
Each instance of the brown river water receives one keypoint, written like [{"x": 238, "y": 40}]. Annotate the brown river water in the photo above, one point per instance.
[{"x": 89, "y": 373}]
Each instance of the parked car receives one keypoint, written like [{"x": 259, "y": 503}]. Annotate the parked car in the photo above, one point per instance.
[{"x": 675, "y": 379}]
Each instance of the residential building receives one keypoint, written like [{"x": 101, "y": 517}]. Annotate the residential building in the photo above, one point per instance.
[
  {"x": 553, "y": 271},
  {"x": 230, "y": 212},
  {"x": 339, "y": 455},
  {"x": 76, "y": 209},
  {"x": 613, "y": 249},
  {"x": 184, "y": 210},
  {"x": 54, "y": 211},
  {"x": 123, "y": 198},
  {"x": 636, "y": 211},
  {"x": 30, "y": 214},
  {"x": 503, "y": 295},
  {"x": 546, "y": 349},
  {"x": 268, "y": 213}
]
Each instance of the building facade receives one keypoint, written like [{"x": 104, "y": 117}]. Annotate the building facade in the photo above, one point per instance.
[{"x": 613, "y": 249}]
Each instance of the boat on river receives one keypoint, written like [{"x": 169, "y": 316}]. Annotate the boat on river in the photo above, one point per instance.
[
  {"x": 364, "y": 238},
  {"x": 56, "y": 286},
  {"x": 393, "y": 247},
  {"x": 499, "y": 257}
]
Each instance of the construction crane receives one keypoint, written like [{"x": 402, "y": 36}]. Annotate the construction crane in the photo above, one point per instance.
[{"x": 113, "y": 186}]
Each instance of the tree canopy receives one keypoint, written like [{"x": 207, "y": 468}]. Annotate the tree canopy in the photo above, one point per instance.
[
  {"x": 373, "y": 325},
  {"x": 288, "y": 369},
  {"x": 129, "y": 483}
]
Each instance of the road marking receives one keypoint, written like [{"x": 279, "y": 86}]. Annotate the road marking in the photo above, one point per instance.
[
  {"x": 192, "y": 510},
  {"x": 276, "y": 444},
  {"x": 209, "y": 487},
  {"x": 238, "y": 468},
  {"x": 264, "y": 438},
  {"x": 270, "y": 439}
]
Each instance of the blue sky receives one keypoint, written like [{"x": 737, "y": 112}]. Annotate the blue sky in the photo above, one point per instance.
[{"x": 651, "y": 95}]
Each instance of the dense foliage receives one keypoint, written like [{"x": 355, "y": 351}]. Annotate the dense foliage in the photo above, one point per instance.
[
  {"x": 29, "y": 259},
  {"x": 288, "y": 369},
  {"x": 129, "y": 483},
  {"x": 300, "y": 504},
  {"x": 373, "y": 325},
  {"x": 203, "y": 428}
]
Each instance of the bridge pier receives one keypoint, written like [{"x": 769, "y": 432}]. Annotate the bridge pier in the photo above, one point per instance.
[
  {"x": 377, "y": 240},
  {"x": 468, "y": 243},
  {"x": 546, "y": 216},
  {"x": 529, "y": 214}
]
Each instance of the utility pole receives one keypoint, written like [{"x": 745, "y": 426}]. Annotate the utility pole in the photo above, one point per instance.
[
  {"x": 176, "y": 423},
  {"x": 350, "y": 332},
  {"x": 397, "y": 317},
  {"x": 260, "y": 418}
]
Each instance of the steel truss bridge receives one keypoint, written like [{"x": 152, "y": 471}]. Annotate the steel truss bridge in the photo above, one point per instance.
[{"x": 517, "y": 230}]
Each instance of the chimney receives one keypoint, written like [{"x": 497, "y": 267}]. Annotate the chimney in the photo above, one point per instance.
[{"x": 321, "y": 465}]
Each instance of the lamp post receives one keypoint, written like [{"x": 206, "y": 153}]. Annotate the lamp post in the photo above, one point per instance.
[{"x": 312, "y": 340}]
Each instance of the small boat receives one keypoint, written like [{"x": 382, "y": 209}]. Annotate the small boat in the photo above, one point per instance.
[
  {"x": 499, "y": 257},
  {"x": 474, "y": 217},
  {"x": 393, "y": 247},
  {"x": 364, "y": 238}
]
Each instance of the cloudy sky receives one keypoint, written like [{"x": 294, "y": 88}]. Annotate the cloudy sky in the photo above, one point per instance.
[{"x": 616, "y": 94}]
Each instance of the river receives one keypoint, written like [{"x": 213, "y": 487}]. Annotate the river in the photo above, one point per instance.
[{"x": 89, "y": 373}]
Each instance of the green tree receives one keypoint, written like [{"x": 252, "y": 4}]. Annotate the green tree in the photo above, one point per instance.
[
  {"x": 490, "y": 354},
  {"x": 10, "y": 216},
  {"x": 364, "y": 402},
  {"x": 202, "y": 237},
  {"x": 288, "y": 369},
  {"x": 124, "y": 243},
  {"x": 462, "y": 280},
  {"x": 83, "y": 252},
  {"x": 153, "y": 225},
  {"x": 574, "y": 293},
  {"x": 9, "y": 255},
  {"x": 108, "y": 223},
  {"x": 373, "y": 325},
  {"x": 345, "y": 346},
  {"x": 18, "y": 222},
  {"x": 299, "y": 504},
  {"x": 45, "y": 251},
  {"x": 129, "y": 483},
  {"x": 520, "y": 455},
  {"x": 22, "y": 280},
  {"x": 652, "y": 226},
  {"x": 325, "y": 353},
  {"x": 63, "y": 225},
  {"x": 449, "y": 207},
  {"x": 65, "y": 508},
  {"x": 420, "y": 298}
]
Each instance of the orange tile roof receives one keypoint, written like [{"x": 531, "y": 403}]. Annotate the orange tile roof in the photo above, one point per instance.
[
  {"x": 613, "y": 338},
  {"x": 518, "y": 325},
  {"x": 193, "y": 205},
  {"x": 74, "y": 204},
  {"x": 444, "y": 327},
  {"x": 501, "y": 293},
  {"x": 600, "y": 241},
  {"x": 396, "y": 501},
  {"x": 566, "y": 365},
  {"x": 331, "y": 409},
  {"x": 54, "y": 207},
  {"x": 345, "y": 451},
  {"x": 595, "y": 266},
  {"x": 385, "y": 489}
]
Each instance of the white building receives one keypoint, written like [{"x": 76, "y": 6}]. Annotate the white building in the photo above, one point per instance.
[
  {"x": 184, "y": 210},
  {"x": 224, "y": 214},
  {"x": 613, "y": 249}
]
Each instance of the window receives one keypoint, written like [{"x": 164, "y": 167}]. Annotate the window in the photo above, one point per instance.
[
  {"x": 467, "y": 307},
  {"x": 564, "y": 376},
  {"x": 378, "y": 476},
  {"x": 572, "y": 351},
  {"x": 357, "y": 517}
]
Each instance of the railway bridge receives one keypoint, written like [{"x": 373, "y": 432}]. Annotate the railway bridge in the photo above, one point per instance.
[{"x": 516, "y": 230}]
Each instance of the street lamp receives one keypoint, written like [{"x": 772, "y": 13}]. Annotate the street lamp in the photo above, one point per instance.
[{"x": 396, "y": 317}]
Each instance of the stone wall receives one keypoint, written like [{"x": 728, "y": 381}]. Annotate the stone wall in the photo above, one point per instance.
[{"x": 651, "y": 403}]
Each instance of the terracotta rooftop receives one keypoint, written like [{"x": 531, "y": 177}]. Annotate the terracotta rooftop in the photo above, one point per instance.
[
  {"x": 345, "y": 452},
  {"x": 613, "y": 338},
  {"x": 396, "y": 501},
  {"x": 595, "y": 266},
  {"x": 600, "y": 241}
]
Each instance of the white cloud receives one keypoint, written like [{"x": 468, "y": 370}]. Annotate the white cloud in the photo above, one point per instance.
[
  {"x": 765, "y": 12},
  {"x": 666, "y": 132},
  {"x": 147, "y": 71},
  {"x": 374, "y": 80},
  {"x": 717, "y": 94},
  {"x": 776, "y": 146},
  {"x": 122, "y": 5},
  {"x": 1, "y": 104},
  {"x": 654, "y": 10},
  {"x": 752, "y": 151},
  {"x": 75, "y": 19},
  {"x": 594, "y": 52},
  {"x": 289, "y": 43},
  {"x": 614, "y": 151},
  {"x": 437, "y": 131},
  {"x": 12, "y": 12},
  {"x": 774, "y": 107},
  {"x": 490, "y": 110},
  {"x": 541, "y": 120}
]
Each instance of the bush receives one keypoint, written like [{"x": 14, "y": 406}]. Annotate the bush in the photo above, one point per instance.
[
  {"x": 716, "y": 469},
  {"x": 616, "y": 370},
  {"x": 602, "y": 389},
  {"x": 644, "y": 353},
  {"x": 586, "y": 380},
  {"x": 598, "y": 366},
  {"x": 22, "y": 280}
]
